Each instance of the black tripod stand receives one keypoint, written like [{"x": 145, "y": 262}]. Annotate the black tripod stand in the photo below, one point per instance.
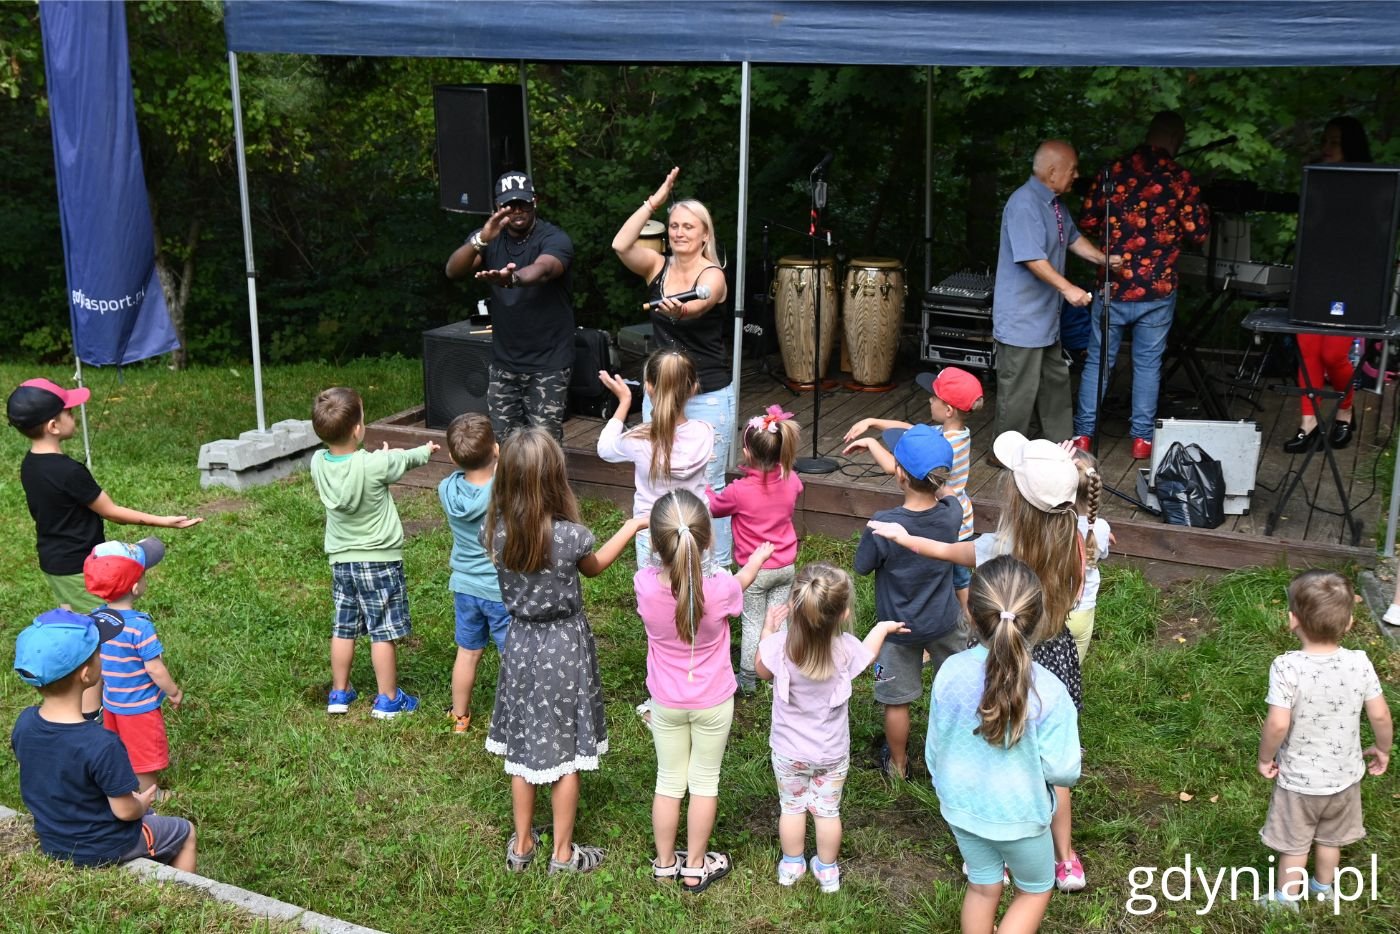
[{"x": 816, "y": 463}]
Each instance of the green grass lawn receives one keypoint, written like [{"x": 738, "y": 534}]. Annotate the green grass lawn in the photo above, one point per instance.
[{"x": 401, "y": 825}]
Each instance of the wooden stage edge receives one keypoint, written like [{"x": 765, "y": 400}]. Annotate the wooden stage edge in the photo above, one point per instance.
[{"x": 837, "y": 508}]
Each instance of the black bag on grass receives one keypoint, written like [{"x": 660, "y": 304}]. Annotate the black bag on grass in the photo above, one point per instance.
[{"x": 1190, "y": 487}]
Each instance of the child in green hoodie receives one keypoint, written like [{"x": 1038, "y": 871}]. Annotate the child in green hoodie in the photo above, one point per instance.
[{"x": 364, "y": 540}]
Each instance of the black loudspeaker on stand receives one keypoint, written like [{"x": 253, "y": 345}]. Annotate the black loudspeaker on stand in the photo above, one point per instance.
[
  {"x": 480, "y": 134},
  {"x": 1344, "y": 269},
  {"x": 456, "y": 371}
]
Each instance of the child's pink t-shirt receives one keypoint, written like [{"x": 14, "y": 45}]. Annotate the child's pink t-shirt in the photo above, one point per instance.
[
  {"x": 682, "y": 675},
  {"x": 761, "y": 503},
  {"x": 811, "y": 721}
]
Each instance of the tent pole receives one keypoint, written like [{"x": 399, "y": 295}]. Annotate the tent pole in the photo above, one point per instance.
[
  {"x": 247, "y": 240},
  {"x": 741, "y": 255},
  {"x": 928, "y": 177},
  {"x": 78, "y": 378},
  {"x": 525, "y": 116}
]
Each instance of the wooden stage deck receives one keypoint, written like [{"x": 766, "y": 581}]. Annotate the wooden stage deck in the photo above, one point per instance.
[{"x": 1310, "y": 533}]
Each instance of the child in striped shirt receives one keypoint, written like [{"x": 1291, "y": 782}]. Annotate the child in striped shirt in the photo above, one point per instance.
[
  {"x": 134, "y": 677},
  {"x": 954, "y": 395}
]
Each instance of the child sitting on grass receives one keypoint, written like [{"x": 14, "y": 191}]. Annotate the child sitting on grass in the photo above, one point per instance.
[
  {"x": 134, "y": 677},
  {"x": 812, "y": 664},
  {"x": 74, "y": 776},
  {"x": 476, "y": 593},
  {"x": 1311, "y": 742},
  {"x": 364, "y": 539}
]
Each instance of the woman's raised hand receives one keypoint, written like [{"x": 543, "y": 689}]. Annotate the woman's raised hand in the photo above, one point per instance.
[{"x": 658, "y": 197}]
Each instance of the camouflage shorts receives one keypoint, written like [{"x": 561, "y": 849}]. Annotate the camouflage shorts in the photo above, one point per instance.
[{"x": 524, "y": 400}]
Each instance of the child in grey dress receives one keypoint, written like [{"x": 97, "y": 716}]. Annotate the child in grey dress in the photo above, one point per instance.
[{"x": 548, "y": 718}]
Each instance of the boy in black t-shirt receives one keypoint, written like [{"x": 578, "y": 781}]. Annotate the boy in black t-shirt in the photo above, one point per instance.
[
  {"x": 67, "y": 504},
  {"x": 74, "y": 776},
  {"x": 65, "y": 501}
]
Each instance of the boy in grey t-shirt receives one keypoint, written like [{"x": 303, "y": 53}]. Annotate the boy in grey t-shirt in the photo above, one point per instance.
[{"x": 1311, "y": 742}]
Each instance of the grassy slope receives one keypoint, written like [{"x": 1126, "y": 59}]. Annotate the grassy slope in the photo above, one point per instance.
[{"x": 401, "y": 825}]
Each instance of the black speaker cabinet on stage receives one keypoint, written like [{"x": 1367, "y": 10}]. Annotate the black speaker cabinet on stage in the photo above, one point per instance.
[
  {"x": 1344, "y": 268},
  {"x": 456, "y": 365},
  {"x": 480, "y": 134}
]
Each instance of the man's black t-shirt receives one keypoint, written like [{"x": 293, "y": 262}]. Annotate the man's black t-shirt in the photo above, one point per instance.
[
  {"x": 532, "y": 326},
  {"x": 60, "y": 491}
]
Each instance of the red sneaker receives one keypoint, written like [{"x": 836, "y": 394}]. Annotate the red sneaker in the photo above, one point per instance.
[
  {"x": 1083, "y": 442},
  {"x": 1142, "y": 449}
]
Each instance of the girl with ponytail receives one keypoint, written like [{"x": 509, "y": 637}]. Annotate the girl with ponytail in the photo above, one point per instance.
[
  {"x": 1097, "y": 537},
  {"x": 670, "y": 451},
  {"x": 686, "y": 615},
  {"x": 811, "y": 664},
  {"x": 1038, "y": 526},
  {"x": 995, "y": 712}
]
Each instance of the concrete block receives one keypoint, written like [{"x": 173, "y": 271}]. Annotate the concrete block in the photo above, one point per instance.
[
  {"x": 256, "y": 457},
  {"x": 311, "y": 921},
  {"x": 7, "y": 814},
  {"x": 1377, "y": 594}
]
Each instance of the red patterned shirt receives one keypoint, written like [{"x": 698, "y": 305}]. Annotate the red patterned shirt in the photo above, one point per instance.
[{"x": 1154, "y": 207}]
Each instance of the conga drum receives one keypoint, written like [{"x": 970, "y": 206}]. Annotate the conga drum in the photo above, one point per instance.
[
  {"x": 874, "y": 310},
  {"x": 794, "y": 313},
  {"x": 653, "y": 236}
]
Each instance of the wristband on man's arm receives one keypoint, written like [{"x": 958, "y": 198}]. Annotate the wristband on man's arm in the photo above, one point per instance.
[{"x": 476, "y": 241}]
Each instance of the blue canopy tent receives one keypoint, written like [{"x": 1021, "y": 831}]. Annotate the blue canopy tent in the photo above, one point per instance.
[{"x": 1203, "y": 33}]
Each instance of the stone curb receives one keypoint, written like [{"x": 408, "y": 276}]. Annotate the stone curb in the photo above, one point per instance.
[
  {"x": 1377, "y": 596},
  {"x": 250, "y": 902}
]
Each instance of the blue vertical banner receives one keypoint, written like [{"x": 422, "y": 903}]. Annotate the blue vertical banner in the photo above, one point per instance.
[{"x": 116, "y": 304}]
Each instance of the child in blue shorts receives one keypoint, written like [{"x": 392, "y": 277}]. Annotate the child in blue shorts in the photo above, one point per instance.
[
  {"x": 465, "y": 494},
  {"x": 364, "y": 540}
]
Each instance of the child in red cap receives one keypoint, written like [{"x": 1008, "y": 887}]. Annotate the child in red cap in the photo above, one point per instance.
[
  {"x": 954, "y": 394},
  {"x": 64, "y": 500},
  {"x": 134, "y": 677}
]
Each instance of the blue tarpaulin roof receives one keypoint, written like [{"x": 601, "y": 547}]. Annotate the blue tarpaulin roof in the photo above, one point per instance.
[{"x": 1205, "y": 33}]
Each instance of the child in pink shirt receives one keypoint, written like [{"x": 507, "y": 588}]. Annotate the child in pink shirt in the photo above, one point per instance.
[
  {"x": 761, "y": 504},
  {"x": 812, "y": 664},
  {"x": 686, "y": 614},
  {"x": 670, "y": 452}
]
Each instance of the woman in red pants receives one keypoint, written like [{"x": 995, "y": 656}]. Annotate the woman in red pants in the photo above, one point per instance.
[{"x": 1326, "y": 358}]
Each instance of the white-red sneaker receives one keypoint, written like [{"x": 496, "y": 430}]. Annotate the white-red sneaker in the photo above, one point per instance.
[{"x": 1069, "y": 875}]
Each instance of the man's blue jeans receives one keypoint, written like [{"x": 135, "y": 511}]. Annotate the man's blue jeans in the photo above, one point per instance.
[{"x": 1150, "y": 322}]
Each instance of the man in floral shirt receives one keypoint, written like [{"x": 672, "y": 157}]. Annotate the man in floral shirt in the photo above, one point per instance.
[{"x": 1153, "y": 207}]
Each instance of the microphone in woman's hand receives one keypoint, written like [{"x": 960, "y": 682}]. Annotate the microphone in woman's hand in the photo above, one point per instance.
[{"x": 701, "y": 292}]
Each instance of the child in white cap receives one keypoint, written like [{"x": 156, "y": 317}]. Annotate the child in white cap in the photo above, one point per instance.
[{"x": 1039, "y": 526}]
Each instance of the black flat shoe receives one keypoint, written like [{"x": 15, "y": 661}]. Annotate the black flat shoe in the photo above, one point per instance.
[
  {"x": 1303, "y": 441},
  {"x": 1340, "y": 435}
]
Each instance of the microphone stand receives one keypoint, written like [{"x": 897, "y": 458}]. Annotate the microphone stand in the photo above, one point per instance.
[{"x": 816, "y": 464}]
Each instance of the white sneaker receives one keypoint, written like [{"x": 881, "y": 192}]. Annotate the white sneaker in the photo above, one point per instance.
[
  {"x": 790, "y": 872},
  {"x": 829, "y": 878},
  {"x": 1392, "y": 615}
]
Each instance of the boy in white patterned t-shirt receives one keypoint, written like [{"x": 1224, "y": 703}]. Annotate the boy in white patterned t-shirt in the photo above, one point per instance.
[{"x": 1311, "y": 742}]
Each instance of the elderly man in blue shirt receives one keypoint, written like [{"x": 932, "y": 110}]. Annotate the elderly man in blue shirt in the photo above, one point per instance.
[{"x": 1036, "y": 231}]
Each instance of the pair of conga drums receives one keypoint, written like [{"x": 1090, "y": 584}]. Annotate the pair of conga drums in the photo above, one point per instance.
[{"x": 871, "y": 306}]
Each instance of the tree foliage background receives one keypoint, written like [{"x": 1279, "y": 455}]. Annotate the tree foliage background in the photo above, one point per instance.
[{"x": 350, "y": 245}]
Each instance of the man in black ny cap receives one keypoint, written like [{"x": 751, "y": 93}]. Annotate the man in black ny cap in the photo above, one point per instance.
[{"x": 526, "y": 262}]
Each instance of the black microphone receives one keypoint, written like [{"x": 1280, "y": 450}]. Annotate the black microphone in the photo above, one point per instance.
[
  {"x": 1213, "y": 144},
  {"x": 701, "y": 292},
  {"x": 822, "y": 165}
]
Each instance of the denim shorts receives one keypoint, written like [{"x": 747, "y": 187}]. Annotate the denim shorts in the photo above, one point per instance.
[
  {"x": 1031, "y": 860},
  {"x": 479, "y": 619},
  {"x": 370, "y": 598},
  {"x": 962, "y": 576}
]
